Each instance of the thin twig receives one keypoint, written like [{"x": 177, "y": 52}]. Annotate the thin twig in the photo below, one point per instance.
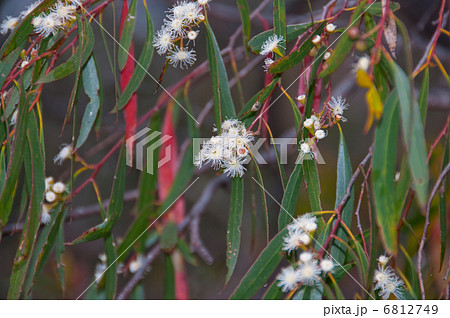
[
  {"x": 196, "y": 211},
  {"x": 427, "y": 224},
  {"x": 345, "y": 199}
]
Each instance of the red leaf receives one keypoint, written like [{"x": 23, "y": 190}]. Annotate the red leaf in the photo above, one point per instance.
[
  {"x": 167, "y": 172},
  {"x": 130, "y": 109},
  {"x": 166, "y": 175}
]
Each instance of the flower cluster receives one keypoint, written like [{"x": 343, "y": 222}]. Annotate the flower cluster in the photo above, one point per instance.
[
  {"x": 227, "y": 151},
  {"x": 61, "y": 15},
  {"x": 316, "y": 123},
  {"x": 308, "y": 268},
  {"x": 54, "y": 192},
  {"x": 178, "y": 27},
  {"x": 386, "y": 281}
]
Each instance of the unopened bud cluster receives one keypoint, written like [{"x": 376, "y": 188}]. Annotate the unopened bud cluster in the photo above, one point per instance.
[{"x": 54, "y": 193}]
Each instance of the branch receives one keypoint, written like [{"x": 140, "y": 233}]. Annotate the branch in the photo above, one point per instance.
[
  {"x": 427, "y": 224},
  {"x": 345, "y": 199},
  {"x": 198, "y": 208}
]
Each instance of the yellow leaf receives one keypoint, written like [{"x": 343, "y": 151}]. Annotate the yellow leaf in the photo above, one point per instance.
[
  {"x": 374, "y": 102},
  {"x": 363, "y": 79}
]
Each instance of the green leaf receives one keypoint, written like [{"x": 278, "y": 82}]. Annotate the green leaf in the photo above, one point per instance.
[
  {"x": 169, "y": 237},
  {"x": 244, "y": 11},
  {"x": 223, "y": 103},
  {"x": 8, "y": 62},
  {"x": 145, "y": 201},
  {"x": 411, "y": 274},
  {"x": 279, "y": 22},
  {"x": 344, "y": 174},
  {"x": 127, "y": 35},
  {"x": 44, "y": 245},
  {"x": 292, "y": 33},
  {"x": 23, "y": 30},
  {"x": 423, "y": 97},
  {"x": 377, "y": 10},
  {"x": 362, "y": 258},
  {"x": 384, "y": 154},
  {"x": 287, "y": 211},
  {"x": 309, "y": 293},
  {"x": 28, "y": 237},
  {"x": 15, "y": 161},
  {"x": 114, "y": 208},
  {"x": 111, "y": 265},
  {"x": 76, "y": 86},
  {"x": 294, "y": 58},
  {"x": 274, "y": 292},
  {"x": 246, "y": 115},
  {"x": 143, "y": 64},
  {"x": 92, "y": 88},
  {"x": 344, "y": 45},
  {"x": 178, "y": 187},
  {"x": 312, "y": 87},
  {"x": 261, "y": 269},
  {"x": 413, "y": 134},
  {"x": 185, "y": 251},
  {"x": 59, "y": 251},
  {"x": 73, "y": 63},
  {"x": 312, "y": 184},
  {"x": 234, "y": 224},
  {"x": 169, "y": 278}
]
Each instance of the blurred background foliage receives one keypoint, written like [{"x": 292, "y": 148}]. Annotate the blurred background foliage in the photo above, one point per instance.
[{"x": 207, "y": 281}]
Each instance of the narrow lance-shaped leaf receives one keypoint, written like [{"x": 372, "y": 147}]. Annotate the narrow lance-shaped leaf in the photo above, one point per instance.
[
  {"x": 244, "y": 11},
  {"x": 28, "y": 237},
  {"x": 223, "y": 103},
  {"x": 44, "y": 245},
  {"x": 15, "y": 162},
  {"x": 411, "y": 274},
  {"x": 261, "y": 269},
  {"x": 80, "y": 57},
  {"x": 413, "y": 133},
  {"x": 169, "y": 278},
  {"x": 292, "y": 33},
  {"x": 76, "y": 86},
  {"x": 312, "y": 184},
  {"x": 114, "y": 208},
  {"x": 143, "y": 64},
  {"x": 92, "y": 88},
  {"x": 127, "y": 29},
  {"x": 246, "y": 114},
  {"x": 8, "y": 62},
  {"x": 423, "y": 97},
  {"x": 344, "y": 174},
  {"x": 279, "y": 22},
  {"x": 344, "y": 45},
  {"x": 111, "y": 264},
  {"x": 289, "y": 61},
  {"x": 234, "y": 224},
  {"x": 287, "y": 210},
  {"x": 384, "y": 154}
]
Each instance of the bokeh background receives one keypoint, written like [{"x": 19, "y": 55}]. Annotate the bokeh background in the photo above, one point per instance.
[{"x": 207, "y": 282}]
